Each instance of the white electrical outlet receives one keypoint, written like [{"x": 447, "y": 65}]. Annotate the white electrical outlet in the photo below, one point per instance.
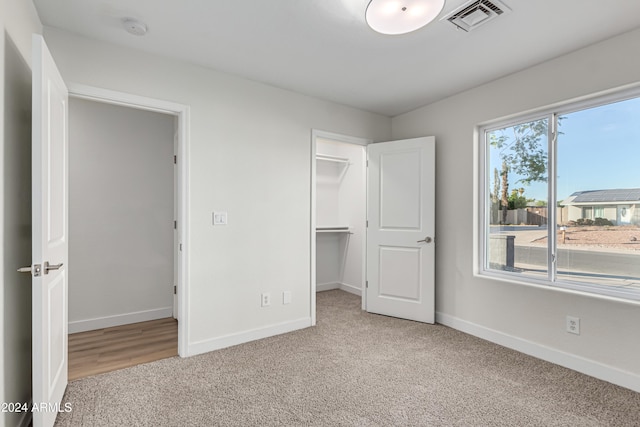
[
  {"x": 266, "y": 300},
  {"x": 573, "y": 325},
  {"x": 286, "y": 297}
]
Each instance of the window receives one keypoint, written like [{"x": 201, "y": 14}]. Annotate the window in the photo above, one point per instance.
[
  {"x": 560, "y": 197},
  {"x": 598, "y": 212}
]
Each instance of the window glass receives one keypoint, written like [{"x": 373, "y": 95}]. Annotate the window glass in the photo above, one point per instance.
[
  {"x": 599, "y": 192},
  {"x": 517, "y": 210},
  {"x": 562, "y": 198}
]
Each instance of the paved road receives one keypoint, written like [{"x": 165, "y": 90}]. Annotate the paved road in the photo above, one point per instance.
[{"x": 612, "y": 264}]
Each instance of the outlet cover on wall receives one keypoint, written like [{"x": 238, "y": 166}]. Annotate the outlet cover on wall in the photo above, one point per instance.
[
  {"x": 573, "y": 325},
  {"x": 265, "y": 299}
]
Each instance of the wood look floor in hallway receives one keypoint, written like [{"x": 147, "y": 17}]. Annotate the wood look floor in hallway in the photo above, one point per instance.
[{"x": 110, "y": 349}]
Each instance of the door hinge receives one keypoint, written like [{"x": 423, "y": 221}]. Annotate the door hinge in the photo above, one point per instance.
[
  {"x": 180, "y": 247},
  {"x": 175, "y": 160},
  {"x": 175, "y": 225},
  {"x": 367, "y": 163},
  {"x": 367, "y": 284},
  {"x": 367, "y": 223},
  {"x": 175, "y": 289}
]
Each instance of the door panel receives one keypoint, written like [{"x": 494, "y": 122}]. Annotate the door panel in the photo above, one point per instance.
[
  {"x": 400, "y": 191},
  {"x": 50, "y": 234},
  {"x": 400, "y": 249},
  {"x": 399, "y": 271},
  {"x": 57, "y": 320},
  {"x": 56, "y": 152}
]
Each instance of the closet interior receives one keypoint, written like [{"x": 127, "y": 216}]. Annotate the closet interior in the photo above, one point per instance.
[{"x": 340, "y": 215}]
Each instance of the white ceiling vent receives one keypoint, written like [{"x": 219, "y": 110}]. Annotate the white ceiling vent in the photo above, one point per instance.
[{"x": 475, "y": 13}]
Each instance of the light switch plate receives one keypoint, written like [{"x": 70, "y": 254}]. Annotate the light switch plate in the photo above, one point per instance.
[
  {"x": 219, "y": 218},
  {"x": 286, "y": 297}
]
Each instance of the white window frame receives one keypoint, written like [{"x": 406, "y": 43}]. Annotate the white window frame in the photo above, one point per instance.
[{"x": 551, "y": 113}]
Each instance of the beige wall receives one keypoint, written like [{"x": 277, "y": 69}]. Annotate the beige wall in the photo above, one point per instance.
[{"x": 529, "y": 318}]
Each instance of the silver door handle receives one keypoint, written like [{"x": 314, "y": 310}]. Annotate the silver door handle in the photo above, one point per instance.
[
  {"x": 48, "y": 267},
  {"x": 426, "y": 240}
]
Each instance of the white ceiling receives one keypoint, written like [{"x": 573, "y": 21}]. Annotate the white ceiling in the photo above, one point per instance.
[{"x": 324, "y": 48}]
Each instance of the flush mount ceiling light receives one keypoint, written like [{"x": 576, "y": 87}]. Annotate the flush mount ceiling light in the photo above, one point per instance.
[{"x": 401, "y": 16}]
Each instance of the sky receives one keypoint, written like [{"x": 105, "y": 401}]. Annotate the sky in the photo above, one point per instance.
[{"x": 598, "y": 148}]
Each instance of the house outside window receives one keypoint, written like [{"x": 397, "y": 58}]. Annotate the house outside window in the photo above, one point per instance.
[
  {"x": 542, "y": 165},
  {"x": 618, "y": 206}
]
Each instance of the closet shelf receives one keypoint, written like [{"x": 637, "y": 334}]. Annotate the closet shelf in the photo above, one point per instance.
[
  {"x": 333, "y": 229},
  {"x": 330, "y": 158}
]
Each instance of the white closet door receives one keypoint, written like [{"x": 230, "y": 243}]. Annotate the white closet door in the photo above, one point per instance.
[{"x": 400, "y": 235}]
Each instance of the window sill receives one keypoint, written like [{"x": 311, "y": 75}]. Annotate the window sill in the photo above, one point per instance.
[{"x": 600, "y": 292}]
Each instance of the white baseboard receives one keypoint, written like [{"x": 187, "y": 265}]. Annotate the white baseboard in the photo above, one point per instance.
[
  {"x": 119, "y": 319},
  {"x": 586, "y": 366},
  {"x": 336, "y": 285},
  {"x": 206, "y": 346},
  {"x": 327, "y": 286},
  {"x": 351, "y": 289}
]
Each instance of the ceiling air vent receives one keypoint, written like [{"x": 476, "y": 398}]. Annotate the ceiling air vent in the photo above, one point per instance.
[{"x": 475, "y": 13}]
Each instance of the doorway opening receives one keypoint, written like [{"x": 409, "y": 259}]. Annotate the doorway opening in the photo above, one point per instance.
[
  {"x": 127, "y": 210},
  {"x": 372, "y": 216},
  {"x": 339, "y": 210}
]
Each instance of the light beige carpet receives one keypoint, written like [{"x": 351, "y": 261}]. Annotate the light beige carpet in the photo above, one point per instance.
[{"x": 352, "y": 369}]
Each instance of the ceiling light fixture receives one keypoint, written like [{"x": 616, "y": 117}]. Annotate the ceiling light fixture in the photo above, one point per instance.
[{"x": 401, "y": 16}]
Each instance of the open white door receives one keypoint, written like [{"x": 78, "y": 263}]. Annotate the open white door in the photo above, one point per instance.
[
  {"x": 50, "y": 235},
  {"x": 401, "y": 226}
]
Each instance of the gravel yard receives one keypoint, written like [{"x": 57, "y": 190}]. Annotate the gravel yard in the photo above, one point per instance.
[{"x": 613, "y": 237}]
